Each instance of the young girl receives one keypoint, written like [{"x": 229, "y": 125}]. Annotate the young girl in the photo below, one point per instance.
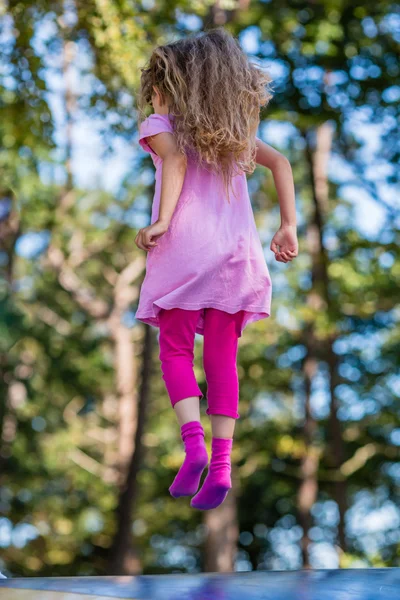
[{"x": 205, "y": 267}]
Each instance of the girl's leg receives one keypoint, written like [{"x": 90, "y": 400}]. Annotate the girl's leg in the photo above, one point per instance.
[
  {"x": 222, "y": 427},
  {"x": 176, "y": 339},
  {"x": 221, "y": 333},
  {"x": 187, "y": 410}
]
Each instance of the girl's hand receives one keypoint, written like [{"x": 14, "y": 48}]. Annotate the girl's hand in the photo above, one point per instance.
[
  {"x": 146, "y": 236},
  {"x": 284, "y": 243}
]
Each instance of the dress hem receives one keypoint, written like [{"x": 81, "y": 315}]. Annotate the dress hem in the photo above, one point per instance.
[
  {"x": 207, "y": 304},
  {"x": 259, "y": 312}
]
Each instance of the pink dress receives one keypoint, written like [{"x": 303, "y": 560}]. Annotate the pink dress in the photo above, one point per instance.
[{"x": 211, "y": 255}]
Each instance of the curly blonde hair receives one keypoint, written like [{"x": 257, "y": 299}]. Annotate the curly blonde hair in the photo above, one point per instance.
[{"x": 214, "y": 93}]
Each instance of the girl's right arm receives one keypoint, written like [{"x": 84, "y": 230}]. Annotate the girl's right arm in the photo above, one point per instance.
[
  {"x": 173, "y": 174},
  {"x": 286, "y": 236}
]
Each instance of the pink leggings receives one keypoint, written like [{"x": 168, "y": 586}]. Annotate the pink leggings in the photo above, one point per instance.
[{"x": 176, "y": 340}]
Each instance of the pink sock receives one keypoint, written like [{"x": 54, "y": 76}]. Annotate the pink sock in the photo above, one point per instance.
[
  {"x": 188, "y": 478},
  {"x": 218, "y": 481}
]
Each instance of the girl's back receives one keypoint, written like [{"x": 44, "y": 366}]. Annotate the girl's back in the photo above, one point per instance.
[{"x": 211, "y": 254}]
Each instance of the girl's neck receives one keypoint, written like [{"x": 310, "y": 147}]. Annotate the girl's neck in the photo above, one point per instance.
[{"x": 162, "y": 110}]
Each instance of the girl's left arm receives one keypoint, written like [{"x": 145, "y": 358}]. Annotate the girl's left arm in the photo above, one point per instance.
[
  {"x": 284, "y": 243},
  {"x": 283, "y": 179}
]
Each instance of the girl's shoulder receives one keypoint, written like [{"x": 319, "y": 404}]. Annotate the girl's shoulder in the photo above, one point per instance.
[
  {"x": 157, "y": 121},
  {"x": 153, "y": 124}
]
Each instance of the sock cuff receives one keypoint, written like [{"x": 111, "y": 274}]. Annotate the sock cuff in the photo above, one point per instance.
[
  {"x": 191, "y": 429},
  {"x": 222, "y": 443},
  {"x": 221, "y": 449}
]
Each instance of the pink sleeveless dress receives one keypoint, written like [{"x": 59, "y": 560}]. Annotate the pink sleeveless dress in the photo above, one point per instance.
[{"x": 211, "y": 255}]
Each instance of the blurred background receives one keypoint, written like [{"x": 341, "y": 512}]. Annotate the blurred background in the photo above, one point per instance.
[{"x": 88, "y": 441}]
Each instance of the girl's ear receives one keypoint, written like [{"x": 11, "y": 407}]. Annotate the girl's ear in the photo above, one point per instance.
[
  {"x": 160, "y": 104},
  {"x": 157, "y": 94}
]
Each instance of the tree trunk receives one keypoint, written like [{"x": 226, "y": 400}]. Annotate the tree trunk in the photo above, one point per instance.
[
  {"x": 10, "y": 230},
  {"x": 336, "y": 447},
  {"x": 222, "y": 534},
  {"x": 308, "y": 489},
  {"x": 318, "y": 163},
  {"x": 319, "y": 300},
  {"x": 70, "y": 107},
  {"x": 125, "y": 375},
  {"x": 123, "y": 556}
]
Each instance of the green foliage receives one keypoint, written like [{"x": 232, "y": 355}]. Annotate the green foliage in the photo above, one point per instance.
[{"x": 59, "y": 419}]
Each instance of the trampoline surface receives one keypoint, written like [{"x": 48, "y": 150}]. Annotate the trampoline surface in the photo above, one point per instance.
[{"x": 345, "y": 584}]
